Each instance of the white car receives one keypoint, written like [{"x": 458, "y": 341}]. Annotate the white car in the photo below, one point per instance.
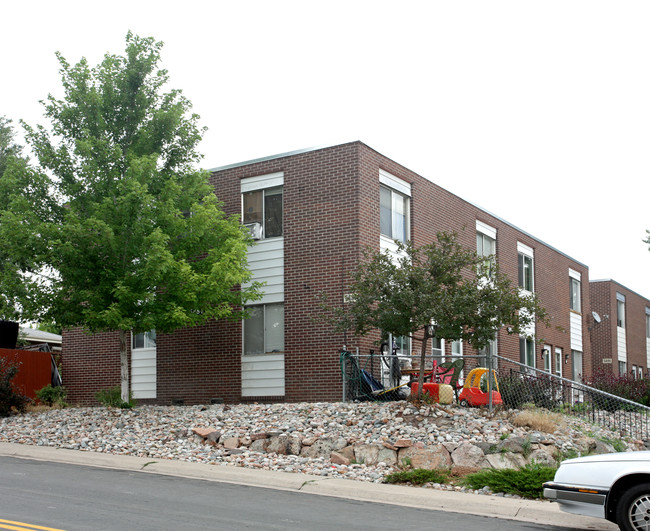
[{"x": 612, "y": 486}]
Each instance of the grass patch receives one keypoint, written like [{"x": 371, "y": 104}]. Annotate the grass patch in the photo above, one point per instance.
[
  {"x": 525, "y": 482},
  {"x": 538, "y": 420},
  {"x": 419, "y": 476}
]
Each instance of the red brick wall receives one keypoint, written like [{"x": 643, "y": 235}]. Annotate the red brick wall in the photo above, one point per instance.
[
  {"x": 605, "y": 336},
  {"x": 331, "y": 212},
  {"x": 89, "y": 363}
]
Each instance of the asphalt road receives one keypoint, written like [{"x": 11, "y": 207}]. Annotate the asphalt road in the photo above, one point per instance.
[{"x": 72, "y": 497}]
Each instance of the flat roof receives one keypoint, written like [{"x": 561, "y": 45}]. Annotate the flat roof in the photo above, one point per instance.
[{"x": 316, "y": 148}]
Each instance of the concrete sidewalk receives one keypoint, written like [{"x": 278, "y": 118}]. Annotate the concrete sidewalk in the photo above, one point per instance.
[{"x": 540, "y": 512}]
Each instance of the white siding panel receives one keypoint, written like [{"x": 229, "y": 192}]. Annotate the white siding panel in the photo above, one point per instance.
[
  {"x": 622, "y": 346},
  {"x": 576, "y": 331},
  {"x": 263, "y": 375},
  {"x": 143, "y": 373},
  {"x": 266, "y": 263},
  {"x": 647, "y": 352}
]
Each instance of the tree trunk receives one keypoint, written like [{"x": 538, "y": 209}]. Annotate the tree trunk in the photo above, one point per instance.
[
  {"x": 423, "y": 354},
  {"x": 124, "y": 366}
]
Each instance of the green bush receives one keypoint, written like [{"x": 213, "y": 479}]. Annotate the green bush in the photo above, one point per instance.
[
  {"x": 418, "y": 476},
  {"x": 525, "y": 482},
  {"x": 49, "y": 395},
  {"x": 625, "y": 386},
  {"x": 10, "y": 399},
  {"x": 517, "y": 390},
  {"x": 113, "y": 398}
]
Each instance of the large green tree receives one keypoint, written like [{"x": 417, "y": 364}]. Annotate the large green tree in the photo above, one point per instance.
[
  {"x": 133, "y": 237},
  {"x": 442, "y": 289},
  {"x": 24, "y": 190}
]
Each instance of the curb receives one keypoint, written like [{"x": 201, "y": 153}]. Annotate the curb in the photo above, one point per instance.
[{"x": 540, "y": 512}]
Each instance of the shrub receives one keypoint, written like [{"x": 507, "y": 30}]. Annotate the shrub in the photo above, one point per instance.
[
  {"x": 418, "y": 476},
  {"x": 113, "y": 398},
  {"x": 53, "y": 395},
  {"x": 526, "y": 481},
  {"x": 624, "y": 386},
  {"x": 519, "y": 389},
  {"x": 10, "y": 399}
]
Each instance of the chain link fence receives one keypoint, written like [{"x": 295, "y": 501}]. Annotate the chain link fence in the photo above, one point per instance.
[{"x": 386, "y": 376}]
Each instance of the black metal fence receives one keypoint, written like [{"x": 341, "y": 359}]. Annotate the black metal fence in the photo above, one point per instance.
[{"x": 387, "y": 377}]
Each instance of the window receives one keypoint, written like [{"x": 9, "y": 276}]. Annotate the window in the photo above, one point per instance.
[
  {"x": 264, "y": 329},
  {"x": 264, "y": 207},
  {"x": 488, "y": 352},
  {"x": 575, "y": 303},
  {"x": 640, "y": 373},
  {"x": 393, "y": 214},
  {"x": 456, "y": 349},
  {"x": 525, "y": 267},
  {"x": 527, "y": 351},
  {"x": 526, "y": 272},
  {"x": 647, "y": 323},
  {"x": 144, "y": 340},
  {"x": 438, "y": 349},
  {"x": 546, "y": 357},
  {"x": 558, "y": 361},
  {"x": 634, "y": 374},
  {"x": 486, "y": 247},
  {"x": 622, "y": 368},
  {"x": 620, "y": 310}
]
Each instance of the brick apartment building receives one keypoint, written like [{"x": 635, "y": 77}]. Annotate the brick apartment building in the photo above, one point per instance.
[
  {"x": 620, "y": 330},
  {"x": 312, "y": 213}
]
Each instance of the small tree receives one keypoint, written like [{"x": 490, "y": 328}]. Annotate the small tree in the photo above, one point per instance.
[
  {"x": 131, "y": 237},
  {"x": 438, "y": 290}
]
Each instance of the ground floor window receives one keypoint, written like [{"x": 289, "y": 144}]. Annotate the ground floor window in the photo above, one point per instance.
[
  {"x": 144, "y": 340},
  {"x": 622, "y": 368},
  {"x": 527, "y": 351},
  {"x": 264, "y": 329}
]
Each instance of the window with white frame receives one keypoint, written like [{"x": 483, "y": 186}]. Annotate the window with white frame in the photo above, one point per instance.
[
  {"x": 456, "y": 349},
  {"x": 264, "y": 329},
  {"x": 558, "y": 361},
  {"x": 546, "y": 358},
  {"x": 640, "y": 373},
  {"x": 438, "y": 349},
  {"x": 622, "y": 368},
  {"x": 490, "y": 352},
  {"x": 527, "y": 351},
  {"x": 620, "y": 310},
  {"x": 525, "y": 267},
  {"x": 486, "y": 245},
  {"x": 143, "y": 340},
  {"x": 634, "y": 373},
  {"x": 264, "y": 208},
  {"x": 394, "y": 207},
  {"x": 647, "y": 323},
  {"x": 574, "y": 287}
]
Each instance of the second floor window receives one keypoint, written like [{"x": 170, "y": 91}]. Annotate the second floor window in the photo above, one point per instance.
[
  {"x": 393, "y": 214},
  {"x": 575, "y": 295},
  {"x": 620, "y": 310},
  {"x": 487, "y": 248},
  {"x": 526, "y": 272},
  {"x": 264, "y": 207}
]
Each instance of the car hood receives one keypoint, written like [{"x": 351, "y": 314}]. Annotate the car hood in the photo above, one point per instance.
[{"x": 618, "y": 457}]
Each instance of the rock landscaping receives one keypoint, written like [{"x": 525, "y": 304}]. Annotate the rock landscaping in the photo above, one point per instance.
[{"x": 360, "y": 441}]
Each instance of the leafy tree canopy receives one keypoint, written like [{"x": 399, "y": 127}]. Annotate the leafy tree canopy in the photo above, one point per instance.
[
  {"x": 464, "y": 295},
  {"x": 128, "y": 235}
]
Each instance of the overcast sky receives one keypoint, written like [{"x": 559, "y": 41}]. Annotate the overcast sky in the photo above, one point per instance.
[{"x": 539, "y": 112}]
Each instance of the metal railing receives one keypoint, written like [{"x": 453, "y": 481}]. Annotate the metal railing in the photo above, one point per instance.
[
  {"x": 520, "y": 384},
  {"x": 386, "y": 377}
]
